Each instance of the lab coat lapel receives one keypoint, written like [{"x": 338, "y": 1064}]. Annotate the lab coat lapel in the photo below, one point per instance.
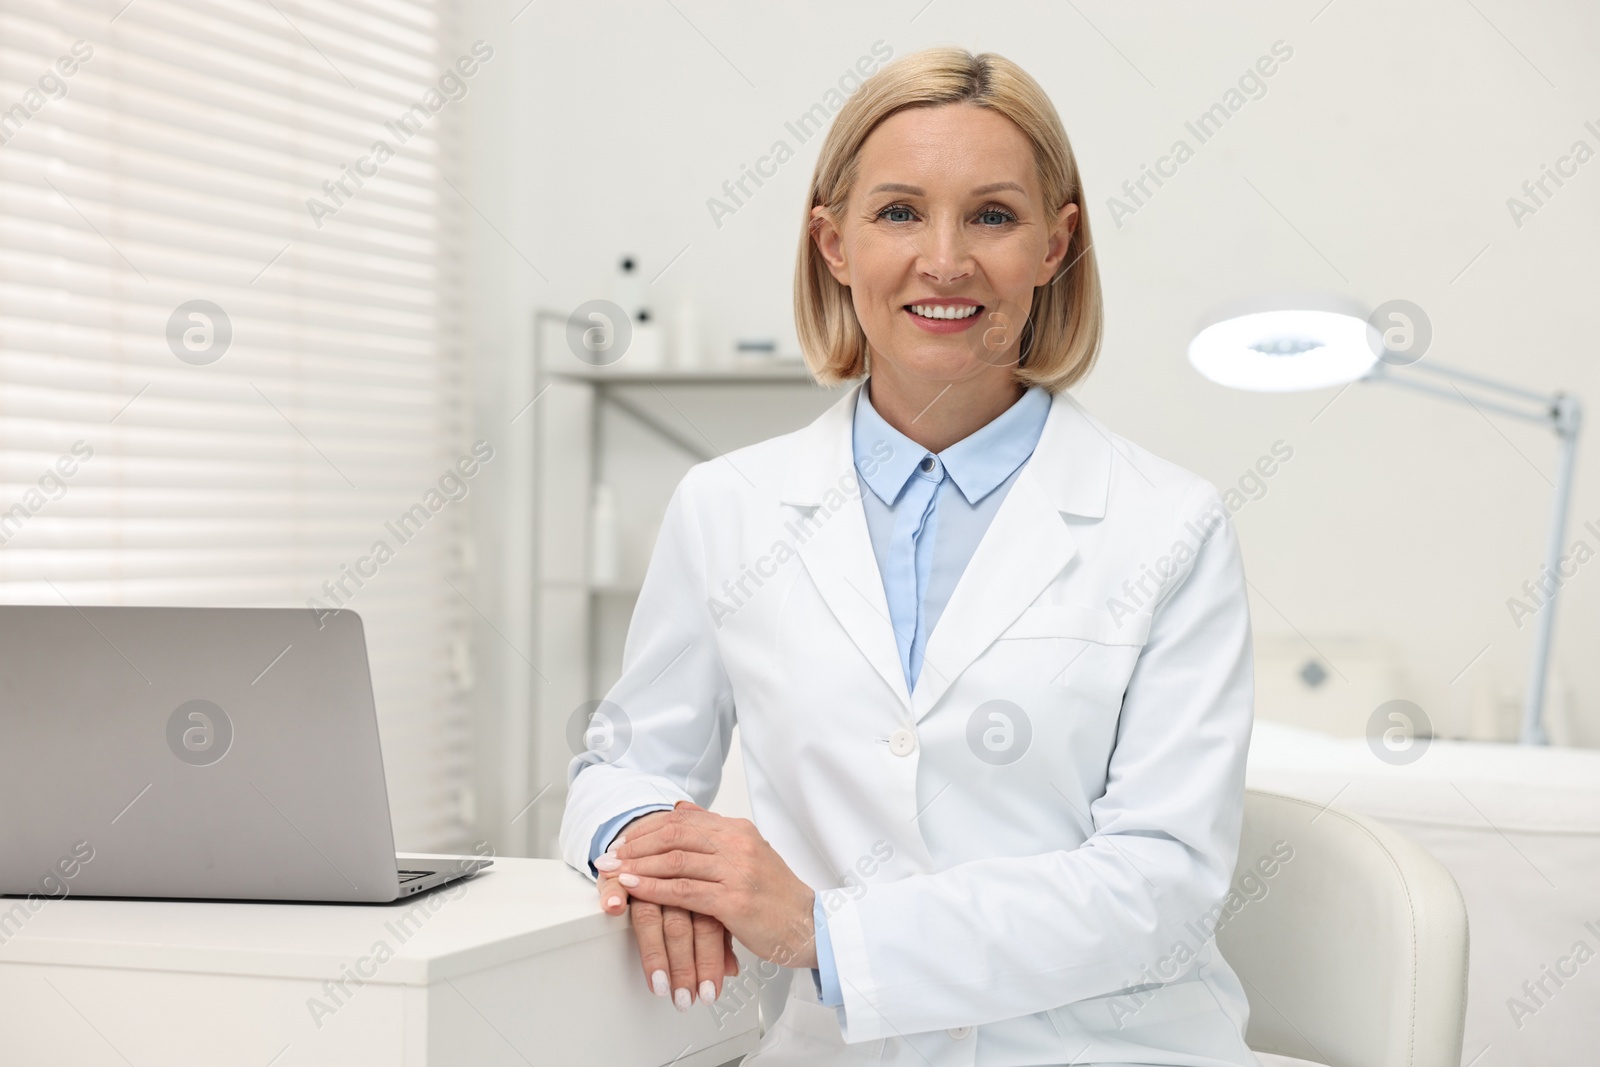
[
  {"x": 1024, "y": 549},
  {"x": 823, "y": 498}
]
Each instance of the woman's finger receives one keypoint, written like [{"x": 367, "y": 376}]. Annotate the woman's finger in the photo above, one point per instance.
[
  {"x": 691, "y": 894},
  {"x": 613, "y": 894},
  {"x": 678, "y": 927},
  {"x": 703, "y": 866},
  {"x": 709, "y": 938},
  {"x": 665, "y": 837},
  {"x": 645, "y": 823},
  {"x": 730, "y": 959},
  {"x": 647, "y": 930}
]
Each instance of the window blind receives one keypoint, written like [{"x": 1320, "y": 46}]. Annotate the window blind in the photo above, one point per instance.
[{"x": 229, "y": 356}]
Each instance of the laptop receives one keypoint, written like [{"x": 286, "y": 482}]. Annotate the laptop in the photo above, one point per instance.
[{"x": 196, "y": 754}]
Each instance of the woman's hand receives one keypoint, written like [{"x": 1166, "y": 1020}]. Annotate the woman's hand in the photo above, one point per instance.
[
  {"x": 679, "y": 948},
  {"x": 706, "y": 863}
]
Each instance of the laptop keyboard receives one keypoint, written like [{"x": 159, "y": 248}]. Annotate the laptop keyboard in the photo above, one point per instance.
[{"x": 412, "y": 876}]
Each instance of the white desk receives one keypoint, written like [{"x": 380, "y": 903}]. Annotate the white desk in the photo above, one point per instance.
[{"x": 516, "y": 966}]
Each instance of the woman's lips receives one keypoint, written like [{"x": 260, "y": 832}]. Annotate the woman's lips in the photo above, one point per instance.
[{"x": 945, "y": 325}]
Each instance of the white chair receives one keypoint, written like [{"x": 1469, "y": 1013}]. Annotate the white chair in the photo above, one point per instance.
[{"x": 1353, "y": 950}]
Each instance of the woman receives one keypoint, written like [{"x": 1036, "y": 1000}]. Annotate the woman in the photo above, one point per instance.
[{"x": 991, "y": 662}]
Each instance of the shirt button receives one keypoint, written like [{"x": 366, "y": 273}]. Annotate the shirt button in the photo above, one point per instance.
[
  {"x": 928, "y": 463},
  {"x": 902, "y": 742},
  {"x": 959, "y": 1032}
]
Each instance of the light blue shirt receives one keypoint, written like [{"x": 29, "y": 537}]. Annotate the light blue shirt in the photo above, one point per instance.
[{"x": 926, "y": 513}]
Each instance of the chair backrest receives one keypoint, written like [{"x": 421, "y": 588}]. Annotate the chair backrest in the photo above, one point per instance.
[{"x": 1350, "y": 940}]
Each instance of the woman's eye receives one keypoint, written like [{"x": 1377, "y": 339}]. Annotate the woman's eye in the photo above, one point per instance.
[{"x": 992, "y": 216}]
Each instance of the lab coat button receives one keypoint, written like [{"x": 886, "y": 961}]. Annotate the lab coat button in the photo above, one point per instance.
[
  {"x": 902, "y": 742},
  {"x": 959, "y": 1032}
]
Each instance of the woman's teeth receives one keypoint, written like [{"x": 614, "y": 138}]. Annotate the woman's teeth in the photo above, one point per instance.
[{"x": 939, "y": 311}]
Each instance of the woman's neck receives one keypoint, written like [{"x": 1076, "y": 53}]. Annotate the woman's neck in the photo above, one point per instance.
[{"x": 938, "y": 414}]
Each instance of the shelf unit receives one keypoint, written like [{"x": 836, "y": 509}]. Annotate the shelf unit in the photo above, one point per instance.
[{"x": 570, "y": 446}]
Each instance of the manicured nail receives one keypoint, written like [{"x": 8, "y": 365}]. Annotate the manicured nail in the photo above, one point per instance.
[
  {"x": 607, "y": 862},
  {"x": 622, "y": 839},
  {"x": 680, "y": 999},
  {"x": 708, "y": 992},
  {"x": 613, "y": 902},
  {"x": 658, "y": 982},
  {"x": 629, "y": 880}
]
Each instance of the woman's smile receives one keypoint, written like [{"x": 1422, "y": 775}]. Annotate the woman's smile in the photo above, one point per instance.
[{"x": 944, "y": 315}]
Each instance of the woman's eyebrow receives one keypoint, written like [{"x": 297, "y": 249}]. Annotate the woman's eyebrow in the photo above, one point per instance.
[{"x": 916, "y": 190}]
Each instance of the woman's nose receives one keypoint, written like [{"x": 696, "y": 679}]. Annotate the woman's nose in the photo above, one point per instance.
[{"x": 945, "y": 253}]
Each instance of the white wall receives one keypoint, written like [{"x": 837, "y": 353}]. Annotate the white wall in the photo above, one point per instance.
[{"x": 1378, "y": 162}]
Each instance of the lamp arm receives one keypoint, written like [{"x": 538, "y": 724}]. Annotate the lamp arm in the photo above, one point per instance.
[
  {"x": 1477, "y": 379},
  {"x": 1568, "y": 421},
  {"x": 1544, "y": 414},
  {"x": 1562, "y": 413}
]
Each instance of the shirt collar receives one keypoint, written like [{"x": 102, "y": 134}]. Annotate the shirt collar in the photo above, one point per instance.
[{"x": 886, "y": 459}]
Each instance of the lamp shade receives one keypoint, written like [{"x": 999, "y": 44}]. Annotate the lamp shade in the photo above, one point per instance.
[{"x": 1279, "y": 344}]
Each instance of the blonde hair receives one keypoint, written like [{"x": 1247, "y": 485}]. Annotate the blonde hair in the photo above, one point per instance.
[{"x": 1064, "y": 323}]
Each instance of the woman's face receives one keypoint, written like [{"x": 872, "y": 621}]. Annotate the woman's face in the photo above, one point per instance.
[{"x": 946, "y": 216}]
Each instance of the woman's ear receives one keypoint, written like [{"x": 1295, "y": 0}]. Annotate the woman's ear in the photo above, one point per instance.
[
  {"x": 830, "y": 244},
  {"x": 1066, "y": 224}
]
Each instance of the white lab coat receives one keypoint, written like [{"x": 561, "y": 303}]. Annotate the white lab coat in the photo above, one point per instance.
[{"x": 1048, "y": 909}]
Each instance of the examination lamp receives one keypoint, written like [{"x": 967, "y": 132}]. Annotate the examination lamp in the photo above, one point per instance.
[{"x": 1294, "y": 342}]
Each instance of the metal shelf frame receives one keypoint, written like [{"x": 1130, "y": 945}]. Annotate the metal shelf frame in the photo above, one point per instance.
[{"x": 565, "y": 603}]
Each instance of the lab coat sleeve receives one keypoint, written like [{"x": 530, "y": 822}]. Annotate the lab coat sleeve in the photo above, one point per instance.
[
  {"x": 1001, "y": 937},
  {"x": 670, "y": 713}
]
